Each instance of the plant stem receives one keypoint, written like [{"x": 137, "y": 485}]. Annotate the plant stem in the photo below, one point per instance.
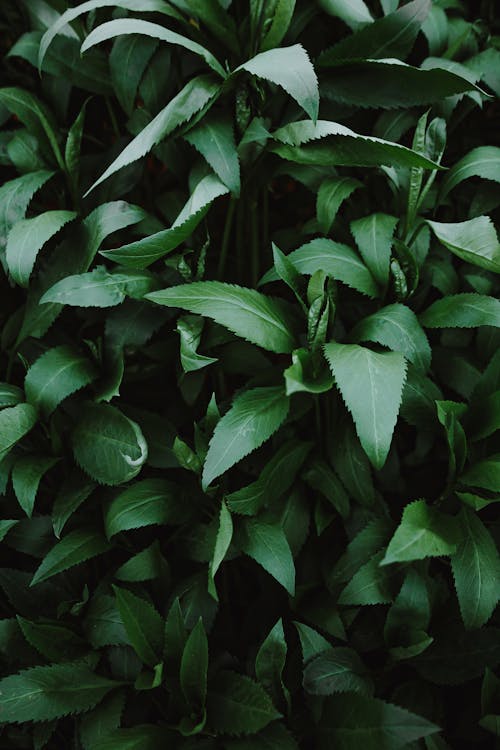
[
  {"x": 221, "y": 268},
  {"x": 254, "y": 243}
]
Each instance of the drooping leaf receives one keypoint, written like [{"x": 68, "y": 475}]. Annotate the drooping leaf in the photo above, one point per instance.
[
  {"x": 50, "y": 692},
  {"x": 238, "y": 705},
  {"x": 26, "y": 476},
  {"x": 371, "y": 385},
  {"x": 150, "y": 501},
  {"x": 462, "y": 311},
  {"x": 74, "y": 548},
  {"x": 270, "y": 662},
  {"x": 335, "y": 259},
  {"x": 391, "y": 36},
  {"x": 119, "y": 27},
  {"x": 15, "y": 423},
  {"x": 195, "y": 95},
  {"x": 373, "y": 235},
  {"x": 268, "y": 545},
  {"x": 290, "y": 68},
  {"x": 397, "y": 327},
  {"x": 73, "y": 491},
  {"x": 142, "y": 253},
  {"x": 263, "y": 320},
  {"x": 474, "y": 241},
  {"x": 143, "y": 625},
  {"x": 357, "y": 722},
  {"x": 370, "y": 584},
  {"x": 27, "y": 238},
  {"x": 423, "y": 532},
  {"x": 476, "y": 570},
  {"x": 253, "y": 417},
  {"x": 108, "y": 446},
  {"x": 56, "y": 375},
  {"x": 283, "y": 15}
]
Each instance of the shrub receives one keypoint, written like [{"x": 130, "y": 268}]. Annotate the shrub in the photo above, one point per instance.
[{"x": 250, "y": 459}]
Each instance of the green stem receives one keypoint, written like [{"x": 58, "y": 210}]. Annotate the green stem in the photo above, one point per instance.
[
  {"x": 112, "y": 117},
  {"x": 221, "y": 268}
]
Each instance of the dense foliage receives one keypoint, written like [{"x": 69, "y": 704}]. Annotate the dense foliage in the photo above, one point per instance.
[{"x": 250, "y": 397}]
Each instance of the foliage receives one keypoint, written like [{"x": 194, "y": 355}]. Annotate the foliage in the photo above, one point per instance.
[{"x": 249, "y": 374}]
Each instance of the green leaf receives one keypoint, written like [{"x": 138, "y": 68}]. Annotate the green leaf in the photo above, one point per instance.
[
  {"x": 270, "y": 662},
  {"x": 128, "y": 60},
  {"x": 140, "y": 737},
  {"x": 26, "y": 476},
  {"x": 474, "y": 241},
  {"x": 462, "y": 311},
  {"x": 311, "y": 643},
  {"x": 397, "y": 327},
  {"x": 476, "y": 570},
  {"x": 58, "y": 25},
  {"x": 280, "y": 22},
  {"x": 268, "y": 545},
  {"x": 238, "y": 705},
  {"x": 142, "y": 253},
  {"x": 55, "y": 642},
  {"x": 323, "y": 479},
  {"x": 390, "y": 84},
  {"x": 275, "y": 479},
  {"x": 290, "y": 68},
  {"x": 195, "y": 95},
  {"x": 10, "y": 395},
  {"x": 146, "y": 565},
  {"x": 74, "y": 490},
  {"x": 35, "y": 115},
  {"x": 143, "y": 624},
  {"x": 99, "y": 723},
  {"x": 343, "y": 147},
  {"x": 483, "y": 162},
  {"x": 357, "y": 722},
  {"x": 194, "y": 667},
  {"x": 373, "y": 235},
  {"x": 112, "y": 29},
  {"x": 5, "y": 527},
  {"x": 262, "y": 320},
  {"x": 15, "y": 423},
  {"x": 213, "y": 137},
  {"x": 353, "y": 12},
  {"x": 27, "y": 238},
  {"x": 371, "y": 385},
  {"x": 217, "y": 20},
  {"x": 367, "y": 542},
  {"x": 56, "y": 375},
  {"x": 371, "y": 584},
  {"x": 74, "y": 255},
  {"x": 190, "y": 328},
  {"x": 74, "y": 548},
  {"x": 15, "y": 197},
  {"x": 275, "y": 735},
  {"x": 423, "y": 532},
  {"x": 253, "y": 417},
  {"x": 331, "y": 194},
  {"x": 336, "y": 670},
  {"x": 151, "y": 501},
  {"x": 108, "y": 446},
  {"x": 99, "y": 288},
  {"x": 335, "y": 259},
  {"x": 484, "y": 474},
  {"x": 46, "y": 693},
  {"x": 222, "y": 543},
  {"x": 391, "y": 36}
]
